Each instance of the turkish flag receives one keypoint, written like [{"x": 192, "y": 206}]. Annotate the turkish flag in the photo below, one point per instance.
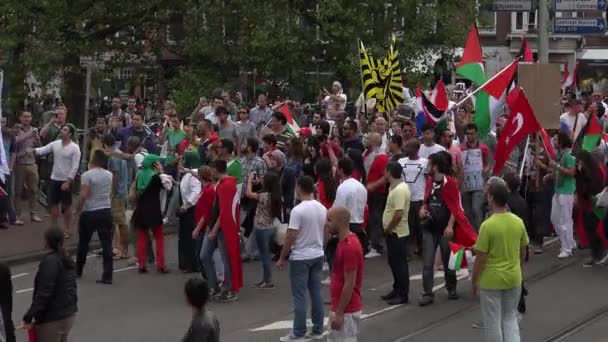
[{"x": 520, "y": 123}]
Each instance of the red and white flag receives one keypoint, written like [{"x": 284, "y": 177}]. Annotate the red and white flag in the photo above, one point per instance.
[
  {"x": 439, "y": 97},
  {"x": 520, "y": 123},
  {"x": 569, "y": 79}
]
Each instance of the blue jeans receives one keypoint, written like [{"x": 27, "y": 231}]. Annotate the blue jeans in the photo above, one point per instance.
[
  {"x": 206, "y": 256},
  {"x": 263, "y": 238},
  {"x": 306, "y": 275},
  {"x": 499, "y": 312},
  {"x": 472, "y": 202}
]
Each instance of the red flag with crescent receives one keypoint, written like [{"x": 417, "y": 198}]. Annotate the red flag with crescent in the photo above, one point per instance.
[{"x": 520, "y": 123}]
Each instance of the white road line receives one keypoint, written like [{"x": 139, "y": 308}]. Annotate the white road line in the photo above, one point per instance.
[
  {"x": 282, "y": 325},
  {"x": 125, "y": 269},
  {"x": 19, "y": 275},
  {"x": 25, "y": 290}
]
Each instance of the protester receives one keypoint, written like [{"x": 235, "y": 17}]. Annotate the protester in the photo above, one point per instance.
[
  {"x": 119, "y": 188},
  {"x": 346, "y": 278},
  {"x": 476, "y": 165},
  {"x": 574, "y": 119},
  {"x": 396, "y": 230},
  {"x": 352, "y": 195},
  {"x": 351, "y": 138},
  {"x": 118, "y": 113},
  {"x": 260, "y": 114},
  {"x": 497, "y": 273},
  {"x": 395, "y": 148},
  {"x": 227, "y": 130},
  {"x": 7, "y": 215},
  {"x": 334, "y": 101},
  {"x": 429, "y": 146},
  {"x": 96, "y": 214},
  {"x": 268, "y": 209},
  {"x": 53, "y": 312},
  {"x": 375, "y": 161},
  {"x": 203, "y": 210},
  {"x": 276, "y": 162},
  {"x": 7, "y": 328},
  {"x": 189, "y": 149},
  {"x": 204, "y": 325},
  {"x": 66, "y": 155},
  {"x": 50, "y": 131},
  {"x": 136, "y": 129},
  {"x": 442, "y": 219},
  {"x": 447, "y": 141},
  {"x": 147, "y": 214},
  {"x": 278, "y": 124},
  {"x": 26, "y": 171},
  {"x": 359, "y": 172},
  {"x": 295, "y": 155},
  {"x": 326, "y": 185},
  {"x": 190, "y": 190},
  {"x": 304, "y": 246},
  {"x": 564, "y": 170},
  {"x": 414, "y": 175},
  {"x": 245, "y": 127}
]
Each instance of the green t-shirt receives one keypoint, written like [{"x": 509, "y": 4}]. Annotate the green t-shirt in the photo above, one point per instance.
[
  {"x": 234, "y": 169},
  {"x": 565, "y": 185},
  {"x": 174, "y": 138},
  {"x": 501, "y": 237}
]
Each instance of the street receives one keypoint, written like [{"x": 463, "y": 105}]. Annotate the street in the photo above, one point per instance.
[{"x": 566, "y": 303}]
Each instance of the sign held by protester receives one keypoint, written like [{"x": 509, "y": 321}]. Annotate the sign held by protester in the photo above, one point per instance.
[{"x": 541, "y": 82}]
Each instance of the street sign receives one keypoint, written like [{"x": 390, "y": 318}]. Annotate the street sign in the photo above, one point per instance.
[
  {"x": 513, "y": 5},
  {"x": 579, "y": 25},
  {"x": 580, "y": 5}
]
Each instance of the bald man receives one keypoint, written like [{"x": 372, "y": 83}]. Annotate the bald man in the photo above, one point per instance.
[
  {"x": 375, "y": 161},
  {"x": 346, "y": 278}
]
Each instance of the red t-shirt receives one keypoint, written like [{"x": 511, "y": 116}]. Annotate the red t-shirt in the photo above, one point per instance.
[
  {"x": 376, "y": 171},
  {"x": 204, "y": 204},
  {"x": 349, "y": 256},
  {"x": 323, "y": 195}
]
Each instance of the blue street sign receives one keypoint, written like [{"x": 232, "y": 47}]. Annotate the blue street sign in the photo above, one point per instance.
[
  {"x": 579, "y": 25},
  {"x": 580, "y": 5}
]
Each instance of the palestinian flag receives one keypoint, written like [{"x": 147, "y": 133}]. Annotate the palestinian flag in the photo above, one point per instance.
[
  {"x": 292, "y": 125},
  {"x": 592, "y": 134},
  {"x": 459, "y": 257},
  {"x": 471, "y": 67}
]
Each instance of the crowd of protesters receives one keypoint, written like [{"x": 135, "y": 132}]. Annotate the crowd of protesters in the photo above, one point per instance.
[{"x": 243, "y": 184}]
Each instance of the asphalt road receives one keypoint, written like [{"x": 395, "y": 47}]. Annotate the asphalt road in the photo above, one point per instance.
[{"x": 566, "y": 303}]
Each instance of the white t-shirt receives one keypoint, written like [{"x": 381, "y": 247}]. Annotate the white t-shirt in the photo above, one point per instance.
[
  {"x": 308, "y": 218},
  {"x": 414, "y": 175},
  {"x": 569, "y": 121},
  {"x": 426, "y": 151},
  {"x": 352, "y": 195},
  {"x": 66, "y": 159}
]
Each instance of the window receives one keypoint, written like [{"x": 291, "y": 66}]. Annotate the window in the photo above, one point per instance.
[
  {"x": 486, "y": 21},
  {"x": 126, "y": 73},
  {"x": 524, "y": 21}
]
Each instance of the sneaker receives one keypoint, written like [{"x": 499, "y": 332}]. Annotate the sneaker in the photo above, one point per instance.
[
  {"x": 538, "y": 250},
  {"x": 228, "y": 296},
  {"x": 372, "y": 254},
  {"x": 425, "y": 301},
  {"x": 214, "y": 294},
  {"x": 314, "y": 336},
  {"x": 590, "y": 263},
  {"x": 291, "y": 337},
  {"x": 453, "y": 295},
  {"x": 603, "y": 260},
  {"x": 35, "y": 218},
  {"x": 564, "y": 255},
  {"x": 326, "y": 281},
  {"x": 325, "y": 267},
  {"x": 389, "y": 296}
]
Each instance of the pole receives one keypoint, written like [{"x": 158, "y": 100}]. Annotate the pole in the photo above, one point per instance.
[
  {"x": 543, "y": 31},
  {"x": 523, "y": 160},
  {"x": 85, "y": 156},
  {"x": 359, "y": 45}
]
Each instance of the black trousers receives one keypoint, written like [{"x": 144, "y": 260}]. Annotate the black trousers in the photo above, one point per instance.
[
  {"x": 397, "y": 260},
  {"x": 357, "y": 228},
  {"x": 186, "y": 246},
  {"x": 375, "y": 205},
  {"x": 590, "y": 222},
  {"x": 99, "y": 221},
  {"x": 413, "y": 218}
]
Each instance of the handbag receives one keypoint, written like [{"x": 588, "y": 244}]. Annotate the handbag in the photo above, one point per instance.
[
  {"x": 280, "y": 231},
  {"x": 602, "y": 198}
]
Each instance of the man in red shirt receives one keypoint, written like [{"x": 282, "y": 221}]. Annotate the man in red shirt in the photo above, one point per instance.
[
  {"x": 375, "y": 162},
  {"x": 346, "y": 278}
]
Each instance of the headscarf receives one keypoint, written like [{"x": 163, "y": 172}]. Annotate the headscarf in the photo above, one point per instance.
[{"x": 147, "y": 171}]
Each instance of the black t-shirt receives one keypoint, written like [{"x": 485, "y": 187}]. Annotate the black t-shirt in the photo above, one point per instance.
[{"x": 440, "y": 214}]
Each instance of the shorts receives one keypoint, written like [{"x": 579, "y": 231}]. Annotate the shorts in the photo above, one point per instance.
[
  {"x": 57, "y": 196},
  {"x": 349, "y": 331}
]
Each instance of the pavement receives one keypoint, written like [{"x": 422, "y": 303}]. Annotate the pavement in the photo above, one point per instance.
[{"x": 566, "y": 303}]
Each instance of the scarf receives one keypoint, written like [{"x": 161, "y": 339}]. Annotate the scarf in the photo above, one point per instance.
[{"x": 147, "y": 171}]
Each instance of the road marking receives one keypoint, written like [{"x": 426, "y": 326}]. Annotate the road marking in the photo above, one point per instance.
[
  {"x": 125, "y": 269},
  {"x": 25, "y": 290},
  {"x": 19, "y": 275},
  {"x": 287, "y": 324}
]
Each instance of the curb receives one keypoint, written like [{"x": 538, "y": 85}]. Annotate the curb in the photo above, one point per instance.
[{"x": 24, "y": 258}]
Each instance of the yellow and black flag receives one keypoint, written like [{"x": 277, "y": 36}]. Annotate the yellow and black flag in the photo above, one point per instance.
[
  {"x": 369, "y": 72},
  {"x": 390, "y": 88}
]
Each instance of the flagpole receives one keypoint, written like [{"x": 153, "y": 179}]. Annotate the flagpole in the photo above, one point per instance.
[
  {"x": 523, "y": 161},
  {"x": 362, "y": 84},
  {"x": 481, "y": 86}
]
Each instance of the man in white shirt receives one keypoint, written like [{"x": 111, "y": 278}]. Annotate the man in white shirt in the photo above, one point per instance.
[
  {"x": 305, "y": 234},
  {"x": 414, "y": 175},
  {"x": 574, "y": 119},
  {"x": 334, "y": 101},
  {"x": 352, "y": 195},
  {"x": 190, "y": 190},
  {"x": 428, "y": 139},
  {"x": 66, "y": 160},
  {"x": 217, "y": 102}
]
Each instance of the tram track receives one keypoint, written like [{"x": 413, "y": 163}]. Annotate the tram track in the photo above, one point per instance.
[
  {"x": 579, "y": 325},
  {"x": 555, "y": 269}
]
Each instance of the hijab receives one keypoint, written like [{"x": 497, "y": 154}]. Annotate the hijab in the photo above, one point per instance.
[{"x": 147, "y": 171}]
